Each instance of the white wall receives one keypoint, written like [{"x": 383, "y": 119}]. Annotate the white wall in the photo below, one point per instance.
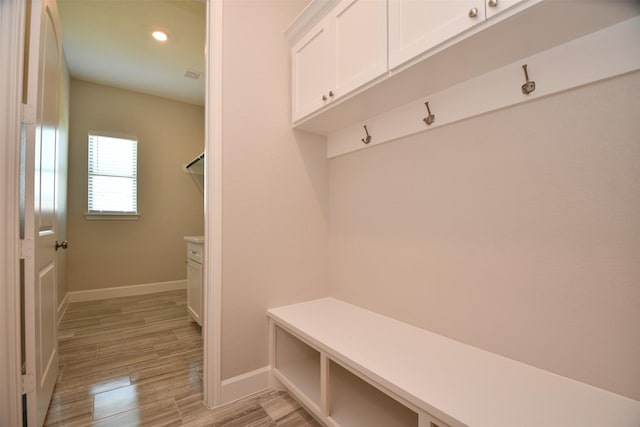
[
  {"x": 517, "y": 231},
  {"x": 274, "y": 185},
  {"x": 105, "y": 254}
]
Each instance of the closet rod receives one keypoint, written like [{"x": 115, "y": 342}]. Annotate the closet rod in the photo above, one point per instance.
[{"x": 194, "y": 161}]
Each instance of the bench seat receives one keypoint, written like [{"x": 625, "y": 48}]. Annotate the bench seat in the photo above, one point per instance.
[{"x": 443, "y": 381}]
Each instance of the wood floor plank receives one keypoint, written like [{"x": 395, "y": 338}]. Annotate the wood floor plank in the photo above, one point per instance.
[
  {"x": 102, "y": 364},
  {"x": 253, "y": 417},
  {"x": 280, "y": 407},
  {"x": 156, "y": 414},
  {"x": 114, "y": 402},
  {"x": 138, "y": 361},
  {"x": 299, "y": 418},
  {"x": 63, "y": 412}
]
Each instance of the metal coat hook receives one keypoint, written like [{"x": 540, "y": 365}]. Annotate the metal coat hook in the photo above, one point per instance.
[
  {"x": 368, "y": 138},
  {"x": 431, "y": 117},
  {"x": 529, "y": 86}
]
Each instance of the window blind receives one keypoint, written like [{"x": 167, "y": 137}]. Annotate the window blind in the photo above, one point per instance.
[{"x": 112, "y": 175}]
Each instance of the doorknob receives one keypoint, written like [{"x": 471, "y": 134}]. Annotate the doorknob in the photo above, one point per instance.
[{"x": 64, "y": 244}]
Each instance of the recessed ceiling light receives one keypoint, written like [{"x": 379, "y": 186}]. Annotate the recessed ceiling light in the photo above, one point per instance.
[{"x": 161, "y": 36}]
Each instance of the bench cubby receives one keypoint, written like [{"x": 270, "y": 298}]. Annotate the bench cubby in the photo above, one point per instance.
[
  {"x": 354, "y": 402},
  {"x": 299, "y": 364}
]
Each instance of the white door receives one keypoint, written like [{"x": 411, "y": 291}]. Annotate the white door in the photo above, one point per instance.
[
  {"x": 311, "y": 61},
  {"x": 40, "y": 272},
  {"x": 360, "y": 43},
  {"x": 416, "y": 26}
]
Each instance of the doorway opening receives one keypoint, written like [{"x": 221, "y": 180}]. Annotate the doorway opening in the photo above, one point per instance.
[{"x": 118, "y": 85}]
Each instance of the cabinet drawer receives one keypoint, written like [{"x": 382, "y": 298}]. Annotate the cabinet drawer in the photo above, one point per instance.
[{"x": 195, "y": 251}]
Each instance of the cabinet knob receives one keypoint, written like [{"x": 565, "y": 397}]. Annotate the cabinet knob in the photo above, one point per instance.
[
  {"x": 64, "y": 245},
  {"x": 331, "y": 93},
  {"x": 492, "y": 3},
  {"x": 324, "y": 97},
  {"x": 473, "y": 12}
]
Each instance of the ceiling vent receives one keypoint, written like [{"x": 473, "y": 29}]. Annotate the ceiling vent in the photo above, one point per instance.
[{"x": 192, "y": 74}]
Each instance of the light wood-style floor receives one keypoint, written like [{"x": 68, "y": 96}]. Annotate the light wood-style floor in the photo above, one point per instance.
[{"x": 137, "y": 361}]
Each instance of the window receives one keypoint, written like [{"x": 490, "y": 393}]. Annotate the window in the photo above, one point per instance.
[{"x": 112, "y": 175}]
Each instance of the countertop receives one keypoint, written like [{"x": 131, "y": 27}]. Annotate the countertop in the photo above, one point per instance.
[{"x": 194, "y": 239}]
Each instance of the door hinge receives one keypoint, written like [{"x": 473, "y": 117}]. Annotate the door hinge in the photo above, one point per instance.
[
  {"x": 28, "y": 383},
  {"x": 26, "y": 249},
  {"x": 28, "y": 114}
]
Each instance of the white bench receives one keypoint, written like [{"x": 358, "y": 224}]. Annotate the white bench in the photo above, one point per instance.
[{"x": 352, "y": 367}]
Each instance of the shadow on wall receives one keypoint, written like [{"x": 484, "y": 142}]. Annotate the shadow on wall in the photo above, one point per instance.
[{"x": 311, "y": 148}]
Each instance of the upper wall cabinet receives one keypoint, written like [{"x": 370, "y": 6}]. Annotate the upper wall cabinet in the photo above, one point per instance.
[
  {"x": 311, "y": 70},
  {"x": 415, "y": 26},
  {"x": 342, "y": 52},
  {"x": 496, "y": 6},
  {"x": 341, "y": 76}
]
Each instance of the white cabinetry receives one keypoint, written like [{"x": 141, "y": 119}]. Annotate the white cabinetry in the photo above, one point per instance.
[
  {"x": 416, "y": 26},
  {"x": 311, "y": 71},
  {"x": 433, "y": 45},
  {"x": 360, "y": 43},
  {"x": 496, "y": 6},
  {"x": 195, "y": 252},
  {"x": 345, "y": 50}
]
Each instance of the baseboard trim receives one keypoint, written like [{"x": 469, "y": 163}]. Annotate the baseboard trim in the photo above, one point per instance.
[
  {"x": 245, "y": 384},
  {"x": 125, "y": 291},
  {"x": 62, "y": 307}
]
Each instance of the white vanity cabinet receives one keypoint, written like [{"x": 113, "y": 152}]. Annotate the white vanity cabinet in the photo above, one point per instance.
[
  {"x": 343, "y": 51},
  {"x": 195, "y": 255},
  {"x": 416, "y": 26}
]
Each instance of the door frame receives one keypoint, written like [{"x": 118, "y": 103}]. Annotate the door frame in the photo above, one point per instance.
[
  {"x": 12, "y": 35},
  {"x": 212, "y": 265},
  {"x": 12, "y": 31}
]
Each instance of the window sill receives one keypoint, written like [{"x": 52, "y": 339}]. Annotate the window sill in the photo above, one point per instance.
[{"x": 110, "y": 216}]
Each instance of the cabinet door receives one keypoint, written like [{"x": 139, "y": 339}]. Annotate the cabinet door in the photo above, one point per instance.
[
  {"x": 360, "y": 43},
  {"x": 416, "y": 26},
  {"x": 194, "y": 290},
  {"x": 496, "y": 6},
  {"x": 311, "y": 63}
]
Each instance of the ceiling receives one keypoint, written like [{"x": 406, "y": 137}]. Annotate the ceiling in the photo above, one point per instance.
[{"x": 109, "y": 42}]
